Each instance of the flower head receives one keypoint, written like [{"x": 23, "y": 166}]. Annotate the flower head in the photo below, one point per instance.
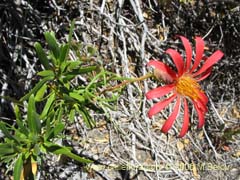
[{"x": 183, "y": 85}]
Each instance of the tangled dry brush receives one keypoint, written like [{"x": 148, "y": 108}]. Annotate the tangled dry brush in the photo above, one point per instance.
[{"x": 127, "y": 34}]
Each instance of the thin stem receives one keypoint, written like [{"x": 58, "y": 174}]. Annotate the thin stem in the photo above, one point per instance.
[{"x": 127, "y": 82}]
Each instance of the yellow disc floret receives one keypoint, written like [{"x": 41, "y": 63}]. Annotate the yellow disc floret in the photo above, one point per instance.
[{"x": 188, "y": 86}]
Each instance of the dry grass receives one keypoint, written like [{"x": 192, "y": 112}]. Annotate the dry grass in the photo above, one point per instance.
[{"x": 128, "y": 34}]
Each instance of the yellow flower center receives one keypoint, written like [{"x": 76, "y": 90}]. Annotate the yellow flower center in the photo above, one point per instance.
[{"x": 188, "y": 86}]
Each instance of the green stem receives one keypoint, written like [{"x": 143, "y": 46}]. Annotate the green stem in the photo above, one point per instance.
[{"x": 149, "y": 75}]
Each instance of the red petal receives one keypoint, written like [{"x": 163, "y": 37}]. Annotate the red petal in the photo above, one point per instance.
[
  {"x": 159, "y": 92},
  {"x": 203, "y": 98},
  {"x": 200, "y": 115},
  {"x": 163, "y": 69},
  {"x": 168, "y": 124},
  {"x": 185, "y": 120},
  {"x": 188, "y": 49},
  {"x": 214, "y": 58},
  {"x": 178, "y": 60},
  {"x": 160, "y": 105},
  {"x": 201, "y": 105},
  {"x": 199, "y": 52},
  {"x": 205, "y": 74}
]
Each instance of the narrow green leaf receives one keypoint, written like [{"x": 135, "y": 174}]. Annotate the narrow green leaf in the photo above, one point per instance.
[
  {"x": 47, "y": 106},
  {"x": 52, "y": 43},
  {"x": 72, "y": 115},
  {"x": 46, "y": 73},
  {"x": 76, "y": 96},
  {"x": 6, "y": 149},
  {"x": 19, "y": 121},
  {"x": 73, "y": 65},
  {"x": 34, "y": 123},
  {"x": 56, "y": 149},
  {"x": 73, "y": 73},
  {"x": 86, "y": 117},
  {"x": 18, "y": 168},
  {"x": 60, "y": 113},
  {"x": 40, "y": 93},
  {"x": 8, "y": 158},
  {"x": 33, "y": 137},
  {"x": 53, "y": 59},
  {"x": 74, "y": 156},
  {"x": 36, "y": 87},
  {"x": 71, "y": 32},
  {"x": 6, "y": 132},
  {"x": 68, "y": 98},
  {"x": 43, "y": 149},
  {"x": 36, "y": 150},
  {"x": 22, "y": 136},
  {"x": 49, "y": 120},
  {"x": 17, "y": 113},
  {"x": 64, "y": 66},
  {"x": 68, "y": 77},
  {"x": 63, "y": 53},
  {"x": 84, "y": 70},
  {"x": 42, "y": 55},
  {"x": 54, "y": 131}
]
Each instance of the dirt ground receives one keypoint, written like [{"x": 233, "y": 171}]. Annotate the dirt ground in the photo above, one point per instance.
[{"x": 127, "y": 34}]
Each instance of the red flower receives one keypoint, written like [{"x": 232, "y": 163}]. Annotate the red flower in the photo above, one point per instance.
[{"x": 183, "y": 84}]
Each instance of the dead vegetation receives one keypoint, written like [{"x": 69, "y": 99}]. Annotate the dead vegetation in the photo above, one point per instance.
[{"x": 127, "y": 34}]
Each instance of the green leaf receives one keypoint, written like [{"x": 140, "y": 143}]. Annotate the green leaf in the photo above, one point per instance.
[
  {"x": 34, "y": 123},
  {"x": 6, "y": 149},
  {"x": 73, "y": 65},
  {"x": 47, "y": 106},
  {"x": 68, "y": 98},
  {"x": 40, "y": 93},
  {"x": 68, "y": 77},
  {"x": 42, "y": 55},
  {"x": 33, "y": 138},
  {"x": 60, "y": 113},
  {"x": 52, "y": 43},
  {"x": 85, "y": 70},
  {"x": 17, "y": 114},
  {"x": 19, "y": 121},
  {"x": 18, "y": 168},
  {"x": 36, "y": 150},
  {"x": 63, "y": 53},
  {"x": 46, "y": 73},
  {"x": 71, "y": 32},
  {"x": 43, "y": 149},
  {"x": 6, "y": 132},
  {"x": 63, "y": 66},
  {"x": 36, "y": 87},
  {"x": 86, "y": 117},
  {"x": 49, "y": 120},
  {"x": 53, "y": 59},
  {"x": 72, "y": 115},
  {"x": 73, "y": 73},
  {"x": 76, "y": 96},
  {"x": 8, "y": 158},
  {"x": 22, "y": 136},
  {"x": 56, "y": 149},
  {"x": 54, "y": 131}
]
